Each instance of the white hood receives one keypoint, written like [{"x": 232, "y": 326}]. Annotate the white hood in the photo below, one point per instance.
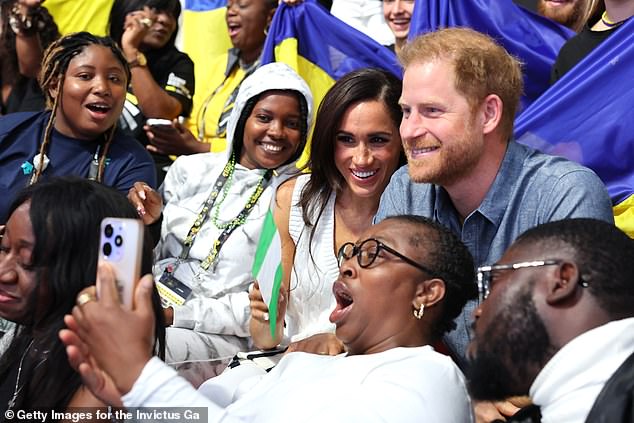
[{"x": 273, "y": 76}]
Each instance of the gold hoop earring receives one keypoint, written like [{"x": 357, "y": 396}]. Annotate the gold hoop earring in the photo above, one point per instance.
[{"x": 419, "y": 313}]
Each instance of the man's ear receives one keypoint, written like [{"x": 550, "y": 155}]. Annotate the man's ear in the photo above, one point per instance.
[
  {"x": 491, "y": 108},
  {"x": 565, "y": 287},
  {"x": 429, "y": 292}
]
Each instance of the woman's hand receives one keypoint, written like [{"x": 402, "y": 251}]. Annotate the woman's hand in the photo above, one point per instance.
[
  {"x": 147, "y": 202},
  {"x": 175, "y": 139},
  {"x": 259, "y": 324},
  {"x": 119, "y": 340},
  {"x": 489, "y": 411},
  {"x": 98, "y": 382},
  {"x": 321, "y": 343},
  {"x": 135, "y": 27}
]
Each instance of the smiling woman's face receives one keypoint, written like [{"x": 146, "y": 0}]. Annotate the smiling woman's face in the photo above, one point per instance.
[
  {"x": 272, "y": 132},
  {"x": 367, "y": 149},
  {"x": 17, "y": 277},
  {"x": 93, "y": 94}
]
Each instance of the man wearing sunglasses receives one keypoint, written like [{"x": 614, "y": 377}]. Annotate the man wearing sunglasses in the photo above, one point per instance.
[{"x": 556, "y": 321}]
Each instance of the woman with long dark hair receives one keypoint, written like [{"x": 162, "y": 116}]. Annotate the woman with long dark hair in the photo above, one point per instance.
[
  {"x": 48, "y": 254},
  {"x": 354, "y": 150}
]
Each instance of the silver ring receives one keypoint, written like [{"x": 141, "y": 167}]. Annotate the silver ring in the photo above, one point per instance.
[
  {"x": 265, "y": 317},
  {"x": 146, "y": 21}
]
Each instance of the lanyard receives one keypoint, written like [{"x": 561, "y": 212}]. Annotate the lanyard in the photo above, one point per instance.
[
  {"x": 201, "y": 124},
  {"x": 94, "y": 165},
  {"x": 222, "y": 184}
]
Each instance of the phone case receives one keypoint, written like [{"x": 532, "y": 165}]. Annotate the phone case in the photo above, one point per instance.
[{"x": 120, "y": 245}]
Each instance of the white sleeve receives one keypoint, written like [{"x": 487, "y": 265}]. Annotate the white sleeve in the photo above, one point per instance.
[
  {"x": 227, "y": 315},
  {"x": 159, "y": 386}
]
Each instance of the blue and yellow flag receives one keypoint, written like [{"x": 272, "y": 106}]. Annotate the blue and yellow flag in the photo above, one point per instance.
[
  {"x": 322, "y": 48},
  {"x": 588, "y": 117},
  {"x": 534, "y": 39},
  {"x": 74, "y": 16},
  {"x": 204, "y": 34}
]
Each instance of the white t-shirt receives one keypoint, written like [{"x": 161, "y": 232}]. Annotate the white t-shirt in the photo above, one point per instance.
[{"x": 399, "y": 385}]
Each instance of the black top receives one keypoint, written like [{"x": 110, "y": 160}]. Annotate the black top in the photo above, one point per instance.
[
  {"x": 615, "y": 403},
  {"x": 529, "y": 4},
  {"x": 575, "y": 49},
  {"x": 8, "y": 376},
  {"x": 26, "y": 96},
  {"x": 174, "y": 72}
]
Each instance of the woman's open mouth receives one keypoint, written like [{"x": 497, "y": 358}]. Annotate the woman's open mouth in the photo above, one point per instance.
[
  {"x": 99, "y": 110},
  {"x": 344, "y": 302}
]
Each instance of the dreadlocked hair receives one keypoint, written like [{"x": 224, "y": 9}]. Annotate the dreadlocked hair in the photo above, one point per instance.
[{"x": 55, "y": 63}]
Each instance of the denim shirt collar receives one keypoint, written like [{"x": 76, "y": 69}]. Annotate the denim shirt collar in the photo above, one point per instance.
[{"x": 495, "y": 202}]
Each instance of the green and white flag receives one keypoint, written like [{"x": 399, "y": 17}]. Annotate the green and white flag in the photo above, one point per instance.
[{"x": 267, "y": 267}]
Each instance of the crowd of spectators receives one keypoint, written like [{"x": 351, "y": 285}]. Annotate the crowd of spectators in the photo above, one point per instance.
[{"x": 431, "y": 267}]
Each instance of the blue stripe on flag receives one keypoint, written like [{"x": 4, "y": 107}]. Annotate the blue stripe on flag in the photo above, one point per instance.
[
  {"x": 326, "y": 41},
  {"x": 588, "y": 115},
  {"x": 204, "y": 5},
  {"x": 535, "y": 40}
]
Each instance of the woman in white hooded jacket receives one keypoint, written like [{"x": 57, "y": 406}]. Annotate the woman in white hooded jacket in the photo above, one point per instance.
[{"x": 214, "y": 209}]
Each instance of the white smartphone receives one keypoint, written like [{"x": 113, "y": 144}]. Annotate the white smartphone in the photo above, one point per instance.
[
  {"x": 159, "y": 122},
  {"x": 121, "y": 245}
]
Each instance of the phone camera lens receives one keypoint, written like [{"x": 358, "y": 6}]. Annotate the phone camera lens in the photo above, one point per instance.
[
  {"x": 108, "y": 230},
  {"x": 118, "y": 241},
  {"x": 107, "y": 249}
]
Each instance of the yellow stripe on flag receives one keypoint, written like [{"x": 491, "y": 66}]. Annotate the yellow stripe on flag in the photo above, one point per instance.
[
  {"x": 316, "y": 78},
  {"x": 85, "y": 15},
  {"x": 624, "y": 216},
  {"x": 204, "y": 37}
]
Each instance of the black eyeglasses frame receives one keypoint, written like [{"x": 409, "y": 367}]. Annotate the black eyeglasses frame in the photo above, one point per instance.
[{"x": 356, "y": 249}]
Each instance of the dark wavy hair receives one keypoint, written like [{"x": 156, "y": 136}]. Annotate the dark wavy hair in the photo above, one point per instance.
[
  {"x": 120, "y": 8},
  {"x": 65, "y": 214},
  {"x": 451, "y": 261},
  {"x": 366, "y": 84}
]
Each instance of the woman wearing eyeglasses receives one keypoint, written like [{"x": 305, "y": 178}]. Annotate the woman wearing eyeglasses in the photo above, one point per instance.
[
  {"x": 355, "y": 149},
  {"x": 399, "y": 288}
]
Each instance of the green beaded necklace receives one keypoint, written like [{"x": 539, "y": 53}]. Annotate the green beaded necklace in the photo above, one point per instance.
[
  {"x": 241, "y": 218},
  {"x": 223, "y": 184}
]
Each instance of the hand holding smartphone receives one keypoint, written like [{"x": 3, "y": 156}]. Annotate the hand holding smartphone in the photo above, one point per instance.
[{"x": 121, "y": 245}]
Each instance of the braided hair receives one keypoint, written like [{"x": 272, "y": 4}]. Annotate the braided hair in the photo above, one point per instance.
[{"x": 55, "y": 63}]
